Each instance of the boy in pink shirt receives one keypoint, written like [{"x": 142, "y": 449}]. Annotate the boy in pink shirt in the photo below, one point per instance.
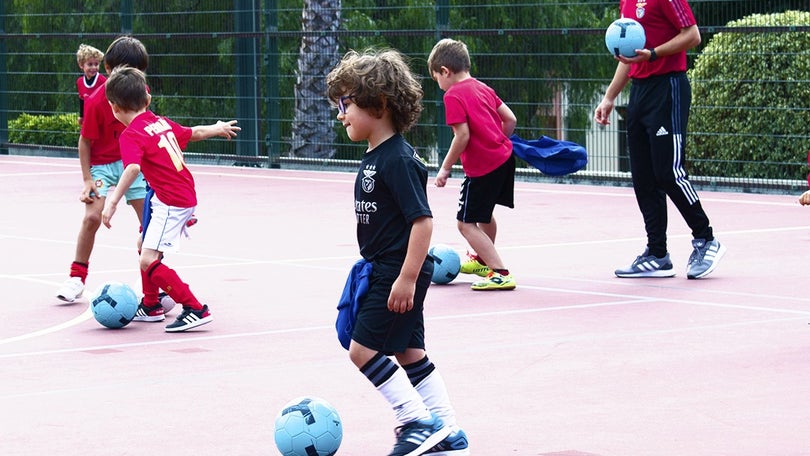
[{"x": 482, "y": 124}]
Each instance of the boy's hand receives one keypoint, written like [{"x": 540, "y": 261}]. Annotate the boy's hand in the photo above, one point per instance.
[
  {"x": 227, "y": 129},
  {"x": 804, "y": 200},
  {"x": 441, "y": 177},
  {"x": 88, "y": 193},
  {"x": 107, "y": 214},
  {"x": 401, "y": 298}
]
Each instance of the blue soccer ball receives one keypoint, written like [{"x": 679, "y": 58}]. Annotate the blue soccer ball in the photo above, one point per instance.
[
  {"x": 624, "y": 36},
  {"x": 308, "y": 426},
  {"x": 446, "y": 263},
  {"x": 114, "y": 304}
]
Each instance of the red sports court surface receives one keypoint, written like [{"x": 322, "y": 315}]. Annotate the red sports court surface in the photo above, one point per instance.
[{"x": 574, "y": 362}]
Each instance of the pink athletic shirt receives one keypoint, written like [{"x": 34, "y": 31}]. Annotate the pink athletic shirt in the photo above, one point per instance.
[
  {"x": 662, "y": 20},
  {"x": 475, "y": 103},
  {"x": 157, "y": 144}
]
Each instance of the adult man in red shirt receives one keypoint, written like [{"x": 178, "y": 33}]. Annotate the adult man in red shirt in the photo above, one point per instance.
[{"x": 657, "y": 116}]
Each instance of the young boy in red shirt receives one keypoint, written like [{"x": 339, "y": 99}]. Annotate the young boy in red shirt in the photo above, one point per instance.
[
  {"x": 100, "y": 162},
  {"x": 89, "y": 60},
  {"x": 154, "y": 145}
]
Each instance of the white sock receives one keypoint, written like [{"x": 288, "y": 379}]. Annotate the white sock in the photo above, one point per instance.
[
  {"x": 434, "y": 395},
  {"x": 404, "y": 398}
]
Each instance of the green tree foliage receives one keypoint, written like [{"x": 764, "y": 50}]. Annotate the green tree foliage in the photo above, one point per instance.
[{"x": 750, "y": 100}]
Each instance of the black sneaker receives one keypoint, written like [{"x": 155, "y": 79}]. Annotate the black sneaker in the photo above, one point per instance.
[
  {"x": 190, "y": 318},
  {"x": 416, "y": 437},
  {"x": 147, "y": 313}
]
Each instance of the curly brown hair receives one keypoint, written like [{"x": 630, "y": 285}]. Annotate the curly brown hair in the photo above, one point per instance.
[{"x": 378, "y": 80}]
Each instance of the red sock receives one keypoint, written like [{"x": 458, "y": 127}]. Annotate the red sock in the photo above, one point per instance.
[
  {"x": 79, "y": 270},
  {"x": 168, "y": 280},
  {"x": 150, "y": 290}
]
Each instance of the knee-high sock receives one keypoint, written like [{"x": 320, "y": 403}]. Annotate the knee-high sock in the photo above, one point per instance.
[
  {"x": 393, "y": 384},
  {"x": 168, "y": 280},
  {"x": 151, "y": 292},
  {"x": 429, "y": 383}
]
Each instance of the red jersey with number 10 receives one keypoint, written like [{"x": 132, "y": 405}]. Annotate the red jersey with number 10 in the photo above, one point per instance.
[{"x": 156, "y": 144}]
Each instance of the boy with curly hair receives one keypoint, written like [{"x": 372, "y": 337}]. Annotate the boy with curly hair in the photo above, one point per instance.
[{"x": 378, "y": 99}]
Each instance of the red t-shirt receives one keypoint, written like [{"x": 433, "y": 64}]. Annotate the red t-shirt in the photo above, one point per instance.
[
  {"x": 157, "y": 144},
  {"x": 662, "y": 20},
  {"x": 85, "y": 89},
  {"x": 101, "y": 128},
  {"x": 475, "y": 103}
]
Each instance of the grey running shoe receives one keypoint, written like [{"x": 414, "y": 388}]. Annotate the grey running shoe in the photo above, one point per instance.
[
  {"x": 647, "y": 265},
  {"x": 704, "y": 258}
]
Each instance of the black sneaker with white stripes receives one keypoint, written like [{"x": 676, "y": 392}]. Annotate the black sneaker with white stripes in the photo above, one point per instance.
[
  {"x": 190, "y": 318},
  {"x": 417, "y": 437},
  {"x": 647, "y": 265}
]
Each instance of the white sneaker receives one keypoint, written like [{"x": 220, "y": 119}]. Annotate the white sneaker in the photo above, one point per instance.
[{"x": 71, "y": 290}]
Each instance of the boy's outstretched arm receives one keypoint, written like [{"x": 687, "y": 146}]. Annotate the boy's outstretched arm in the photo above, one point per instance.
[{"x": 224, "y": 129}]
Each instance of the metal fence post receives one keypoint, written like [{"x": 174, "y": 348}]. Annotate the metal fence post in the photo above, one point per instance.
[
  {"x": 272, "y": 102},
  {"x": 442, "y": 131},
  {"x": 247, "y": 78},
  {"x": 3, "y": 83}
]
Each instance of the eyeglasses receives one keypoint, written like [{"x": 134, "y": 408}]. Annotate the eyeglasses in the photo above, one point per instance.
[{"x": 342, "y": 103}]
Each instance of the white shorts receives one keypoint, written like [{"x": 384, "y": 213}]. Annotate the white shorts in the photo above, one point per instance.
[{"x": 166, "y": 225}]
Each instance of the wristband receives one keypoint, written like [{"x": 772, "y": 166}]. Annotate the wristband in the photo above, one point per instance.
[{"x": 653, "y": 55}]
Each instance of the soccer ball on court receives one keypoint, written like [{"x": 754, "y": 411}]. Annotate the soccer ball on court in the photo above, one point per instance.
[
  {"x": 446, "y": 263},
  {"x": 114, "y": 304},
  {"x": 624, "y": 36},
  {"x": 308, "y": 426}
]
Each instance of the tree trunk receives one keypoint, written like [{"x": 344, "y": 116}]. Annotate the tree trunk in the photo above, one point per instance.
[{"x": 313, "y": 133}]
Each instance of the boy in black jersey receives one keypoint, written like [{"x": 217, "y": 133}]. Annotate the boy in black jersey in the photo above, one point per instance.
[{"x": 378, "y": 99}]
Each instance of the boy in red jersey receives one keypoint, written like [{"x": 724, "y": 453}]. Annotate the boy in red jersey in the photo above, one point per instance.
[
  {"x": 482, "y": 124},
  {"x": 155, "y": 145},
  {"x": 657, "y": 115},
  {"x": 89, "y": 60},
  {"x": 100, "y": 162}
]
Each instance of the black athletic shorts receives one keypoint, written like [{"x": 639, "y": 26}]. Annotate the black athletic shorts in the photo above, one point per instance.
[
  {"x": 389, "y": 332},
  {"x": 479, "y": 195}
]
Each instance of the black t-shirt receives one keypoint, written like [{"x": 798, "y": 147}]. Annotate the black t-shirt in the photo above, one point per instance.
[{"x": 390, "y": 192}]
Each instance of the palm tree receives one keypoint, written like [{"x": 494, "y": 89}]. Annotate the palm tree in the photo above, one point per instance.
[{"x": 313, "y": 133}]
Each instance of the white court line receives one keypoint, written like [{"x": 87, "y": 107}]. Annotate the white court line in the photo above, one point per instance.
[
  {"x": 629, "y": 300},
  {"x": 237, "y": 261},
  {"x": 86, "y": 315}
]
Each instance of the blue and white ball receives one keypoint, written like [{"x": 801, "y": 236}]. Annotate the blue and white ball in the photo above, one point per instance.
[
  {"x": 446, "y": 263},
  {"x": 308, "y": 426},
  {"x": 624, "y": 36},
  {"x": 114, "y": 304}
]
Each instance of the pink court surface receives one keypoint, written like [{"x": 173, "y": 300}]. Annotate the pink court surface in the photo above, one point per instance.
[{"x": 574, "y": 362}]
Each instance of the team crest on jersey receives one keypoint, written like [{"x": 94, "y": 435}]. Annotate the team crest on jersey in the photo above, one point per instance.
[
  {"x": 368, "y": 179},
  {"x": 640, "y": 9}
]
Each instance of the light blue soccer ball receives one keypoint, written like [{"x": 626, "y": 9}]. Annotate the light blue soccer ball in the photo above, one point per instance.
[
  {"x": 446, "y": 263},
  {"x": 114, "y": 304},
  {"x": 308, "y": 426},
  {"x": 624, "y": 36}
]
